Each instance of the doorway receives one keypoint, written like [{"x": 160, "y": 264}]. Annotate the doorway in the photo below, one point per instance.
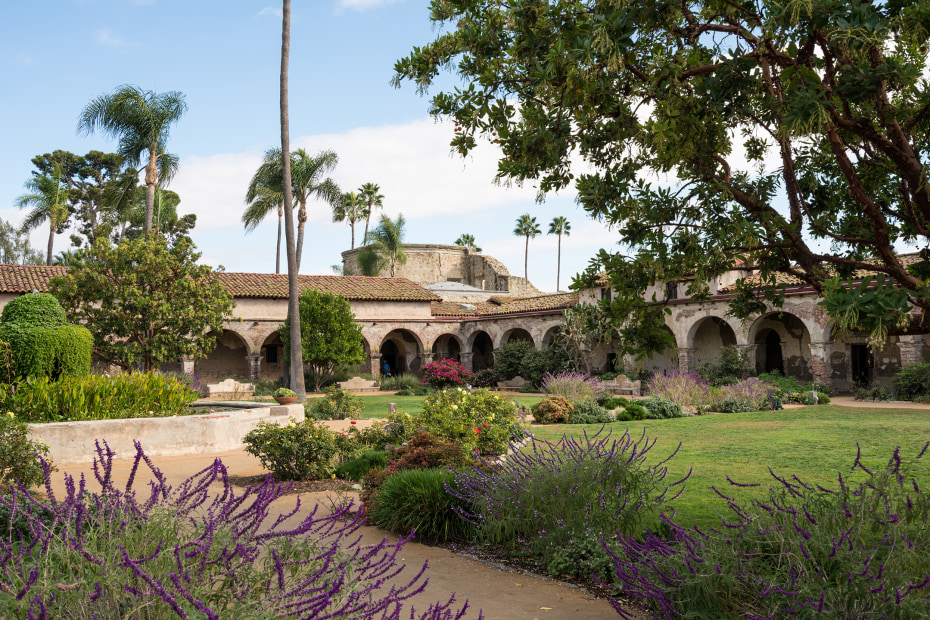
[{"x": 861, "y": 362}]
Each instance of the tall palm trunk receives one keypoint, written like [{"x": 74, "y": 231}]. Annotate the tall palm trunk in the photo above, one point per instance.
[
  {"x": 293, "y": 309},
  {"x": 151, "y": 180},
  {"x": 301, "y": 220},
  {"x": 277, "y": 258},
  {"x": 51, "y": 239},
  {"x": 367, "y": 217},
  {"x": 352, "y": 226},
  {"x": 558, "y": 264},
  {"x": 526, "y": 259}
]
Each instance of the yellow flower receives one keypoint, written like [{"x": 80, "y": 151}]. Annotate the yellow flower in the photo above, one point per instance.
[
  {"x": 455, "y": 406},
  {"x": 10, "y": 414},
  {"x": 334, "y": 476}
]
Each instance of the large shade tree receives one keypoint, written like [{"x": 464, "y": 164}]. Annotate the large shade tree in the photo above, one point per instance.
[
  {"x": 792, "y": 137},
  {"x": 526, "y": 227},
  {"x": 141, "y": 120}
]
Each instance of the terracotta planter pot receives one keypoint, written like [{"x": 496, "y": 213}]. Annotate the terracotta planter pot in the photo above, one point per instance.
[{"x": 286, "y": 400}]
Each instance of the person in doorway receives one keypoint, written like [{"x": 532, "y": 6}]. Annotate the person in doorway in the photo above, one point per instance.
[{"x": 385, "y": 368}]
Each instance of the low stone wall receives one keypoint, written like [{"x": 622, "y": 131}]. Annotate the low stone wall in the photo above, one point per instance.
[{"x": 73, "y": 442}]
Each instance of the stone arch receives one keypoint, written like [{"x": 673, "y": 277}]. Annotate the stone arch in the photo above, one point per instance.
[
  {"x": 481, "y": 346},
  {"x": 401, "y": 349},
  {"x": 782, "y": 339},
  {"x": 549, "y": 337},
  {"x": 229, "y": 358},
  {"x": 707, "y": 337},
  {"x": 271, "y": 358},
  {"x": 447, "y": 346},
  {"x": 516, "y": 333}
]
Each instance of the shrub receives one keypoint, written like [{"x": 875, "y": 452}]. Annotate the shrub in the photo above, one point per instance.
[
  {"x": 283, "y": 392},
  {"x": 486, "y": 378},
  {"x": 732, "y": 365},
  {"x": 415, "y": 501},
  {"x": 589, "y": 412},
  {"x": 479, "y": 420},
  {"x": 577, "y": 489},
  {"x": 338, "y": 405},
  {"x": 399, "y": 382},
  {"x": 912, "y": 381},
  {"x": 734, "y": 404},
  {"x": 553, "y": 410},
  {"x": 266, "y": 387},
  {"x": 296, "y": 451},
  {"x": 574, "y": 386},
  {"x": 182, "y": 552},
  {"x": 446, "y": 373},
  {"x": 97, "y": 397},
  {"x": 661, "y": 408},
  {"x": 751, "y": 392},
  {"x": 508, "y": 361},
  {"x": 854, "y": 551},
  {"x": 42, "y": 343},
  {"x": 823, "y": 398},
  {"x": 684, "y": 388},
  {"x": 356, "y": 468},
  {"x": 417, "y": 391},
  {"x": 191, "y": 380},
  {"x": 636, "y": 411},
  {"x": 19, "y": 460},
  {"x": 537, "y": 363}
]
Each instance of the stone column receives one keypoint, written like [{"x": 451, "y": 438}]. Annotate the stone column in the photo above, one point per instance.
[
  {"x": 187, "y": 365},
  {"x": 426, "y": 358},
  {"x": 685, "y": 359},
  {"x": 911, "y": 348},
  {"x": 255, "y": 366},
  {"x": 467, "y": 361},
  {"x": 820, "y": 367},
  {"x": 375, "y": 365}
]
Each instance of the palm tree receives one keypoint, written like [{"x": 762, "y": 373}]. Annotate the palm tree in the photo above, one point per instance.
[
  {"x": 385, "y": 247},
  {"x": 559, "y": 226},
  {"x": 467, "y": 241},
  {"x": 296, "y": 363},
  {"x": 526, "y": 227},
  {"x": 141, "y": 120},
  {"x": 370, "y": 193},
  {"x": 350, "y": 209},
  {"x": 265, "y": 195},
  {"x": 47, "y": 197}
]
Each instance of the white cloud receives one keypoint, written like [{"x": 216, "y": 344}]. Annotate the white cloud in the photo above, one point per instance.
[
  {"x": 270, "y": 10},
  {"x": 106, "y": 38}
]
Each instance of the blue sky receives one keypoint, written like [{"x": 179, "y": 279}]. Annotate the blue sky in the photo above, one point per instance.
[{"x": 56, "y": 56}]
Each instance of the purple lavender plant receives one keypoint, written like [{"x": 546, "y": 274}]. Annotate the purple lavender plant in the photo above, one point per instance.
[
  {"x": 193, "y": 552},
  {"x": 856, "y": 551},
  {"x": 682, "y": 387}
]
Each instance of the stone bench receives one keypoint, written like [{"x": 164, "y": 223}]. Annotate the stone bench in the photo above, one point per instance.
[
  {"x": 230, "y": 389},
  {"x": 357, "y": 384},
  {"x": 512, "y": 384},
  {"x": 623, "y": 385}
]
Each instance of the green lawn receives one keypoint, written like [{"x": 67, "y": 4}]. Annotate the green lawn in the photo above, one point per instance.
[{"x": 814, "y": 443}]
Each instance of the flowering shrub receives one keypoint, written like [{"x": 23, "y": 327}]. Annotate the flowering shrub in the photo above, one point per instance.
[
  {"x": 296, "y": 451},
  {"x": 755, "y": 395},
  {"x": 188, "y": 553},
  {"x": 856, "y": 551},
  {"x": 338, "y": 405},
  {"x": 684, "y": 388},
  {"x": 574, "y": 386},
  {"x": 479, "y": 420},
  {"x": 553, "y": 410},
  {"x": 18, "y": 453},
  {"x": 555, "y": 498},
  {"x": 446, "y": 373},
  {"x": 486, "y": 378}
]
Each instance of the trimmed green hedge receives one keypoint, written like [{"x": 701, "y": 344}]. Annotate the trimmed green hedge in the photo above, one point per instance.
[{"x": 42, "y": 342}]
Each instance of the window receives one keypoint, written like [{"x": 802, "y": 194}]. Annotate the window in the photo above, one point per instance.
[
  {"x": 671, "y": 290},
  {"x": 605, "y": 294},
  {"x": 271, "y": 355}
]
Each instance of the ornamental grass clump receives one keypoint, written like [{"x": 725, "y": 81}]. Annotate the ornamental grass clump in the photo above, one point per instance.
[
  {"x": 685, "y": 388},
  {"x": 190, "y": 552},
  {"x": 750, "y": 394},
  {"x": 574, "y": 386},
  {"x": 854, "y": 551},
  {"x": 553, "y": 500}
]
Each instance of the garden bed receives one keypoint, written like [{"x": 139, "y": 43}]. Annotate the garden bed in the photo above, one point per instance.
[{"x": 74, "y": 442}]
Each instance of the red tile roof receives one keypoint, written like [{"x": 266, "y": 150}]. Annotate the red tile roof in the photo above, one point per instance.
[
  {"x": 28, "y": 278},
  {"x": 541, "y": 303}
]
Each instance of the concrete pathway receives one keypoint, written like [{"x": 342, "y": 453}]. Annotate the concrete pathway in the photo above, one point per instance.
[{"x": 500, "y": 593}]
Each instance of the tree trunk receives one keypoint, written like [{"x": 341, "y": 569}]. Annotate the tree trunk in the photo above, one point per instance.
[
  {"x": 558, "y": 264},
  {"x": 293, "y": 308},
  {"x": 51, "y": 240},
  {"x": 365, "y": 236},
  {"x": 352, "y": 227},
  {"x": 277, "y": 258},
  {"x": 301, "y": 220},
  {"x": 526, "y": 259},
  {"x": 151, "y": 180}
]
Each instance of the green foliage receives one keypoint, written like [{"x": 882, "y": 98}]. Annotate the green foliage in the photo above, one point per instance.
[
  {"x": 873, "y": 392},
  {"x": 536, "y": 363},
  {"x": 586, "y": 329},
  {"x": 912, "y": 381},
  {"x": 416, "y": 501},
  {"x": 295, "y": 451},
  {"x": 589, "y": 412},
  {"x": 732, "y": 365},
  {"x": 384, "y": 249},
  {"x": 15, "y": 248},
  {"x": 636, "y": 411},
  {"x": 508, "y": 362},
  {"x": 638, "y": 91},
  {"x": 338, "y": 405},
  {"x": 479, "y": 420},
  {"x": 661, "y": 408},
  {"x": 283, "y": 392},
  {"x": 823, "y": 399},
  {"x": 735, "y": 404},
  {"x": 42, "y": 343},
  {"x": 421, "y": 390},
  {"x": 145, "y": 302},
  {"x": 329, "y": 338},
  {"x": 19, "y": 454},
  {"x": 553, "y": 410},
  {"x": 356, "y": 468},
  {"x": 486, "y": 378},
  {"x": 400, "y": 382},
  {"x": 97, "y": 397}
]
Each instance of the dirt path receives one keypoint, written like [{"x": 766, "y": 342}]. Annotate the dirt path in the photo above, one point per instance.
[{"x": 500, "y": 593}]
